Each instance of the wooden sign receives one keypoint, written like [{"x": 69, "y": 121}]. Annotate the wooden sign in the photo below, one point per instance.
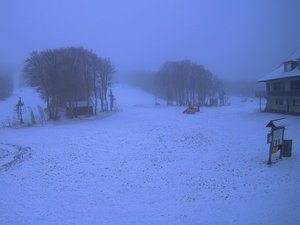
[
  {"x": 275, "y": 149},
  {"x": 277, "y": 138},
  {"x": 269, "y": 138}
]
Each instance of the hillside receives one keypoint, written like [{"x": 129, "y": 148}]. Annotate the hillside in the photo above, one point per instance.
[{"x": 149, "y": 164}]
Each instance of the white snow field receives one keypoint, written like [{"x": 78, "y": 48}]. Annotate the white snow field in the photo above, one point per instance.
[{"x": 150, "y": 164}]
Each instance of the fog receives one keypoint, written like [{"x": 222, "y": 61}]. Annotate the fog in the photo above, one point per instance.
[{"x": 233, "y": 39}]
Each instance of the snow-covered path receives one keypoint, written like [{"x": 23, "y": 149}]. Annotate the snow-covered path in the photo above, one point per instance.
[{"x": 152, "y": 165}]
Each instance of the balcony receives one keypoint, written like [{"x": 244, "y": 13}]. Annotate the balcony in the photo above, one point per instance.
[{"x": 284, "y": 93}]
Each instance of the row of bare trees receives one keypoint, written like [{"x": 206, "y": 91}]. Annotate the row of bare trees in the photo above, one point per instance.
[
  {"x": 186, "y": 82},
  {"x": 66, "y": 76}
]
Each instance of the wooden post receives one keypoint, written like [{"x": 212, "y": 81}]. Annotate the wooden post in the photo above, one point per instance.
[
  {"x": 270, "y": 149},
  {"x": 111, "y": 98},
  {"x": 281, "y": 150},
  {"x": 260, "y": 103},
  {"x": 21, "y": 120}
]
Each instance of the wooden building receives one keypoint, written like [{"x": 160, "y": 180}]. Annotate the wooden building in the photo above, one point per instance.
[
  {"x": 283, "y": 86},
  {"x": 79, "y": 108}
]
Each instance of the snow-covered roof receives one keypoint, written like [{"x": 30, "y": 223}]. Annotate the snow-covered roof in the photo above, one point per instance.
[
  {"x": 83, "y": 103},
  {"x": 280, "y": 74},
  {"x": 282, "y": 122},
  {"x": 295, "y": 56}
]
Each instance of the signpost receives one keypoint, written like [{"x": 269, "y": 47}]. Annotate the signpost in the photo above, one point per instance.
[{"x": 275, "y": 138}]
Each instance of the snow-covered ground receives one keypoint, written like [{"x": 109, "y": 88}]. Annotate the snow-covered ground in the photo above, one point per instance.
[
  {"x": 150, "y": 164},
  {"x": 31, "y": 101}
]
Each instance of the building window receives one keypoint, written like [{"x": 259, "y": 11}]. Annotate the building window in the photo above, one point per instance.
[
  {"x": 290, "y": 65},
  {"x": 287, "y": 66},
  {"x": 278, "y": 86},
  {"x": 295, "y": 85},
  {"x": 296, "y": 102},
  {"x": 268, "y": 87},
  {"x": 279, "y": 102}
]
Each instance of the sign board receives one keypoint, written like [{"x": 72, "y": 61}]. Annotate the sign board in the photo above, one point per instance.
[
  {"x": 275, "y": 149},
  {"x": 269, "y": 138},
  {"x": 277, "y": 137}
]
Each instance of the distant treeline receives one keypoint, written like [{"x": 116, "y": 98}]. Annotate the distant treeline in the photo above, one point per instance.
[
  {"x": 245, "y": 88},
  {"x": 6, "y": 85},
  {"x": 66, "y": 76},
  {"x": 180, "y": 82},
  {"x": 186, "y": 82}
]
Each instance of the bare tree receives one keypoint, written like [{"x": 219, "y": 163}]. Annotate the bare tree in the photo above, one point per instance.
[
  {"x": 105, "y": 70},
  {"x": 68, "y": 75},
  {"x": 186, "y": 82}
]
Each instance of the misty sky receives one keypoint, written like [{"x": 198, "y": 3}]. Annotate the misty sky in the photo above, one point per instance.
[{"x": 234, "y": 38}]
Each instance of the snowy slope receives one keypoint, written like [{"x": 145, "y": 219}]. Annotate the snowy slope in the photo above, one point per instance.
[
  {"x": 150, "y": 165},
  {"x": 29, "y": 97}
]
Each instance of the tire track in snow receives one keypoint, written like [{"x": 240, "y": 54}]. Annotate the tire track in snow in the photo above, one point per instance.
[{"x": 12, "y": 155}]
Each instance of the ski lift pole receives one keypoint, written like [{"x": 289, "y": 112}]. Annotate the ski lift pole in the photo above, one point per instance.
[{"x": 19, "y": 109}]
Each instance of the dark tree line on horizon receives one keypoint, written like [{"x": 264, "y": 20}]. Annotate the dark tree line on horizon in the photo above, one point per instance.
[
  {"x": 6, "y": 85},
  {"x": 186, "y": 82},
  {"x": 65, "y": 76}
]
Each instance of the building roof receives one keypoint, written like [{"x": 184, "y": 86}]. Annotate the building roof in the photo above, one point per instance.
[
  {"x": 295, "y": 56},
  {"x": 279, "y": 73},
  {"x": 282, "y": 122}
]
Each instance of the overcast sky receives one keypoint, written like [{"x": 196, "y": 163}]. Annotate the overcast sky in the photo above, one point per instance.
[{"x": 233, "y": 38}]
